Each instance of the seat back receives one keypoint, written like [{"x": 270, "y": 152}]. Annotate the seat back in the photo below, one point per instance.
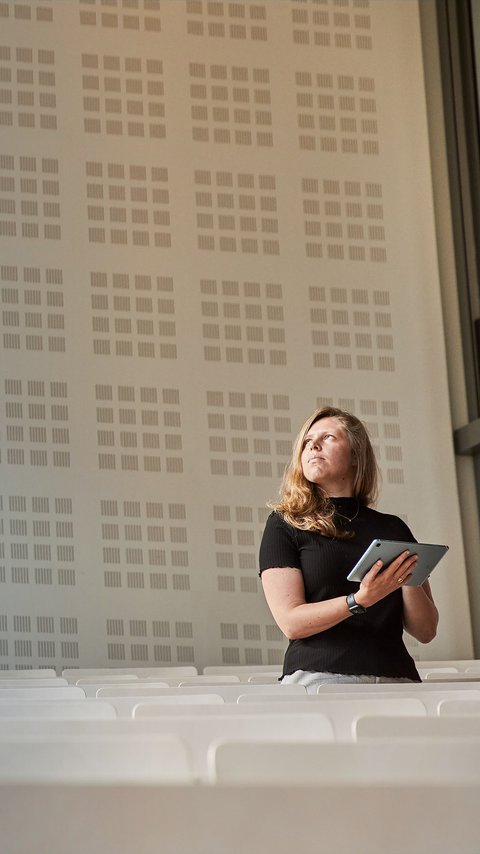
[
  {"x": 341, "y": 763},
  {"x": 461, "y": 706},
  {"x": 57, "y": 710},
  {"x": 394, "y": 728},
  {"x": 100, "y": 759},
  {"x": 74, "y": 673},
  {"x": 38, "y": 692},
  {"x": 229, "y": 692},
  {"x": 126, "y": 706},
  {"x": 34, "y": 673}
]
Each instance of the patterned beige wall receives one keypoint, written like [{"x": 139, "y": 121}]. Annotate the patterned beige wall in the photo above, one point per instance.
[{"x": 214, "y": 216}]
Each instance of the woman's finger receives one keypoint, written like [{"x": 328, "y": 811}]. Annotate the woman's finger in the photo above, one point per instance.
[{"x": 375, "y": 569}]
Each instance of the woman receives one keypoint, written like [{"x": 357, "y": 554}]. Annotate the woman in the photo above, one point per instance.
[{"x": 339, "y": 631}]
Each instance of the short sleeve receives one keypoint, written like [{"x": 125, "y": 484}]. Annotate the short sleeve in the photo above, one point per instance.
[{"x": 278, "y": 546}]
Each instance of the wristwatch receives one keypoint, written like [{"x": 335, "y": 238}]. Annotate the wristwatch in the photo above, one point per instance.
[{"x": 353, "y": 606}]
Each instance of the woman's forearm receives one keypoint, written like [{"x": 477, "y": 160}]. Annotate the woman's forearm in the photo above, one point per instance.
[
  {"x": 420, "y": 615},
  {"x": 310, "y": 618}
]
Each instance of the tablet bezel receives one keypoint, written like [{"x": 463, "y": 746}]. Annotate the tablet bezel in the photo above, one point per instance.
[{"x": 429, "y": 554}]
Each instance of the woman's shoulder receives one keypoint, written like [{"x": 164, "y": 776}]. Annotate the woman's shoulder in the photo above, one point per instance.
[
  {"x": 277, "y": 525},
  {"x": 275, "y": 520},
  {"x": 389, "y": 525},
  {"x": 381, "y": 514}
]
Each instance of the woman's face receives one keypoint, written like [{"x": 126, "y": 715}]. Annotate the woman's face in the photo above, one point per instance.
[{"x": 327, "y": 458}]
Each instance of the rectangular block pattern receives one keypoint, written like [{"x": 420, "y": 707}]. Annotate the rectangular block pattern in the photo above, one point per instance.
[
  {"x": 27, "y": 88},
  {"x": 236, "y": 213},
  {"x": 241, "y": 428},
  {"x": 36, "y": 419},
  {"x": 29, "y": 197},
  {"x": 35, "y": 11},
  {"x": 128, "y": 205},
  {"x": 351, "y": 329},
  {"x": 130, "y": 15},
  {"x": 231, "y": 104},
  {"x": 337, "y": 113},
  {"x": 33, "y": 309},
  {"x": 139, "y": 429},
  {"x": 343, "y": 24},
  {"x": 145, "y": 640},
  {"x": 37, "y": 543},
  {"x": 344, "y": 220},
  {"x": 133, "y": 315},
  {"x": 243, "y": 322},
  {"x": 237, "y": 532},
  {"x": 123, "y": 96},
  {"x": 145, "y": 545},
  {"x": 226, "y": 20}
]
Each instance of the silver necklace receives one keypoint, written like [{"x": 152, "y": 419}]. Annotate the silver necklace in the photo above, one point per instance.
[{"x": 349, "y": 518}]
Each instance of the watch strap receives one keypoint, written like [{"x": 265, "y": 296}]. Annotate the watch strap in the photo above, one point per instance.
[{"x": 353, "y": 606}]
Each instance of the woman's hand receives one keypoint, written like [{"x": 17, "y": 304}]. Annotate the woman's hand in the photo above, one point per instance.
[
  {"x": 420, "y": 616},
  {"x": 380, "y": 581}
]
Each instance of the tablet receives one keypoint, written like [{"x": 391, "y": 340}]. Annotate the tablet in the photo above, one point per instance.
[{"x": 429, "y": 555}]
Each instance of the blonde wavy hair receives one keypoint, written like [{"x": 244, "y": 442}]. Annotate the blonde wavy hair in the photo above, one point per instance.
[{"x": 305, "y": 505}]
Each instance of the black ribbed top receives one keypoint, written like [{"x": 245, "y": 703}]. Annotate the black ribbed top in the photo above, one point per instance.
[{"x": 371, "y": 643}]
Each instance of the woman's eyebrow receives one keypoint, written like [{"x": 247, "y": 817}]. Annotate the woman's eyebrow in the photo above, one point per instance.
[{"x": 316, "y": 434}]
